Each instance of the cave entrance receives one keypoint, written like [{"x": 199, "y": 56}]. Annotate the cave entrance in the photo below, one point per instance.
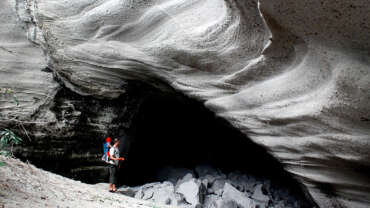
[
  {"x": 159, "y": 130},
  {"x": 178, "y": 132}
]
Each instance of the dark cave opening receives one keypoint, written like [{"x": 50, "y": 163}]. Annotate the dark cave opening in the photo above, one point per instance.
[
  {"x": 157, "y": 130},
  {"x": 176, "y": 131}
]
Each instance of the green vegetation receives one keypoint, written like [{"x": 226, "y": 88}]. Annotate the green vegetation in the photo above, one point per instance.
[{"x": 8, "y": 138}]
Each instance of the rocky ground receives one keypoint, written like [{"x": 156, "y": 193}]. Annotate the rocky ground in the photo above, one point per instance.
[
  {"x": 207, "y": 187},
  {"x": 23, "y": 185}
]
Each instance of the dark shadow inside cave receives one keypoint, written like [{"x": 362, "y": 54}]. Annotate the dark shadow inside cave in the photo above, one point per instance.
[{"x": 179, "y": 132}]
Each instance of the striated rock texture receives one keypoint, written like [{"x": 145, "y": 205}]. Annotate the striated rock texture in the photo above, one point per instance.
[
  {"x": 70, "y": 139},
  {"x": 21, "y": 67},
  {"x": 293, "y": 75}
]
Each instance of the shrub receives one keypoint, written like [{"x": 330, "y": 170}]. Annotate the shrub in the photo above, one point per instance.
[{"x": 8, "y": 138}]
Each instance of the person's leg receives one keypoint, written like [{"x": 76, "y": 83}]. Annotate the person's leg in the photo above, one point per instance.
[
  {"x": 111, "y": 177},
  {"x": 114, "y": 178}
]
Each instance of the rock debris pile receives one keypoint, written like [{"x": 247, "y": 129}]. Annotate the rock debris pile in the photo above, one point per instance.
[{"x": 207, "y": 187}]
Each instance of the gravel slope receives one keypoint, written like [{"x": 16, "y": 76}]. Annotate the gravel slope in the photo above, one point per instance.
[{"x": 24, "y": 185}]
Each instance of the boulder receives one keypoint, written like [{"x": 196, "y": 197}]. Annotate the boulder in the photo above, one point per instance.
[
  {"x": 259, "y": 195},
  {"x": 260, "y": 198},
  {"x": 217, "y": 187},
  {"x": 161, "y": 193},
  {"x": 192, "y": 190},
  {"x": 232, "y": 198},
  {"x": 186, "y": 178}
]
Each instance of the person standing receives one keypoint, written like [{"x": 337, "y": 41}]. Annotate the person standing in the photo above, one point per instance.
[{"x": 114, "y": 159}]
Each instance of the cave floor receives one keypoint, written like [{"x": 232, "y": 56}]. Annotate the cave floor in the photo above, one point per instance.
[{"x": 24, "y": 185}]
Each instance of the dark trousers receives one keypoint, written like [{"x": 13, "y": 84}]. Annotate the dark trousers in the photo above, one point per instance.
[{"x": 113, "y": 178}]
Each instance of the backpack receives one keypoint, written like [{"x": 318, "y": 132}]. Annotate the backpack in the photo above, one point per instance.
[{"x": 106, "y": 148}]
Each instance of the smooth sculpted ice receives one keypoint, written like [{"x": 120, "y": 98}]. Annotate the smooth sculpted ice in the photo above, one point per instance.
[{"x": 292, "y": 75}]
